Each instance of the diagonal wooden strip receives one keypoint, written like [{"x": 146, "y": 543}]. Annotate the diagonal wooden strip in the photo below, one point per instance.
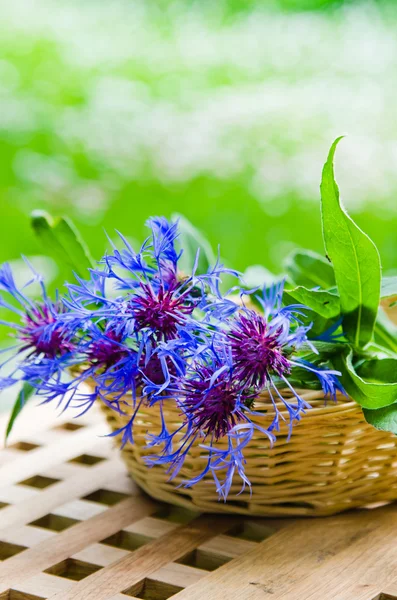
[
  {"x": 40, "y": 586},
  {"x": 17, "y": 494},
  {"x": 276, "y": 566},
  {"x": 26, "y": 424},
  {"x": 228, "y": 547},
  {"x": 146, "y": 560},
  {"x": 47, "y": 456},
  {"x": 178, "y": 575},
  {"x": 360, "y": 572},
  {"x": 60, "y": 493},
  {"x": 36, "y": 419},
  {"x": 100, "y": 554},
  {"x": 27, "y": 536},
  {"x": 389, "y": 592},
  {"x": 72, "y": 540},
  {"x": 9, "y": 454}
]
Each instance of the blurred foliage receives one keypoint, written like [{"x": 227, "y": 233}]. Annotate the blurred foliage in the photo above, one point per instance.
[{"x": 104, "y": 119}]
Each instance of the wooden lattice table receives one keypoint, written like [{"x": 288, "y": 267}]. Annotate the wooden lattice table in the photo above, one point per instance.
[{"x": 73, "y": 526}]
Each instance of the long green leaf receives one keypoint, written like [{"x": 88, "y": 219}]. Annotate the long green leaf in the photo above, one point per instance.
[
  {"x": 309, "y": 269},
  {"x": 324, "y": 307},
  {"x": 23, "y": 396},
  {"x": 379, "y": 370},
  {"x": 62, "y": 240},
  {"x": 355, "y": 260},
  {"x": 378, "y": 391},
  {"x": 191, "y": 239},
  {"x": 323, "y": 303},
  {"x": 383, "y": 418},
  {"x": 385, "y": 333}
]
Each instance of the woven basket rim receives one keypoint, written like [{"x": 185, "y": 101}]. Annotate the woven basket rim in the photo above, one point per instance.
[
  {"x": 334, "y": 461},
  {"x": 319, "y": 405}
]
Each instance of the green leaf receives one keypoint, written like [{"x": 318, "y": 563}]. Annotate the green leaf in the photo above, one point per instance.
[
  {"x": 323, "y": 303},
  {"x": 309, "y": 269},
  {"x": 302, "y": 378},
  {"x": 377, "y": 392},
  {"x": 62, "y": 240},
  {"x": 24, "y": 395},
  {"x": 379, "y": 370},
  {"x": 355, "y": 259},
  {"x": 385, "y": 333},
  {"x": 383, "y": 418},
  {"x": 191, "y": 239},
  {"x": 324, "y": 349}
]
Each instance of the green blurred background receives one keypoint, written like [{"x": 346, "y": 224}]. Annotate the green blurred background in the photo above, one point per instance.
[{"x": 114, "y": 111}]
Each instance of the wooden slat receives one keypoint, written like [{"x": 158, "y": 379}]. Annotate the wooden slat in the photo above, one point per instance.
[
  {"x": 27, "y": 536},
  {"x": 70, "y": 541},
  {"x": 59, "y": 493},
  {"x": 280, "y": 563},
  {"x": 41, "y": 585},
  {"x": 178, "y": 575},
  {"x": 100, "y": 554},
  {"x": 82, "y": 530},
  {"x": 44, "y": 457},
  {"x": 223, "y": 545},
  {"x": 146, "y": 560},
  {"x": 35, "y": 421},
  {"x": 360, "y": 571}
]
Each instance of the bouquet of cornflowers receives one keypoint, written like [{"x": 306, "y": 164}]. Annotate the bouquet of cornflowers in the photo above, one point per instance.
[{"x": 156, "y": 326}]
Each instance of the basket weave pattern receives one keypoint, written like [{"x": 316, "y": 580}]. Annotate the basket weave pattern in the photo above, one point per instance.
[{"x": 334, "y": 461}]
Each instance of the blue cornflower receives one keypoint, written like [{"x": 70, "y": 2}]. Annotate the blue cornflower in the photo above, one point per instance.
[
  {"x": 105, "y": 348},
  {"x": 142, "y": 333},
  {"x": 257, "y": 349},
  {"x": 247, "y": 353},
  {"x": 44, "y": 349},
  {"x": 214, "y": 406},
  {"x": 160, "y": 311},
  {"x": 156, "y": 261},
  {"x": 117, "y": 364},
  {"x": 157, "y": 297},
  {"x": 213, "y": 401},
  {"x": 158, "y": 305},
  {"x": 263, "y": 350}
]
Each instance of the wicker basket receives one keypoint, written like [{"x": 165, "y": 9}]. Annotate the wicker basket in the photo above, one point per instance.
[{"x": 334, "y": 461}]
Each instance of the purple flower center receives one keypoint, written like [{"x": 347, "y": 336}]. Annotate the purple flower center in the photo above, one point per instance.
[
  {"x": 257, "y": 352},
  {"x": 160, "y": 311},
  {"x": 153, "y": 370},
  {"x": 213, "y": 409},
  {"x": 108, "y": 350},
  {"x": 41, "y": 333}
]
